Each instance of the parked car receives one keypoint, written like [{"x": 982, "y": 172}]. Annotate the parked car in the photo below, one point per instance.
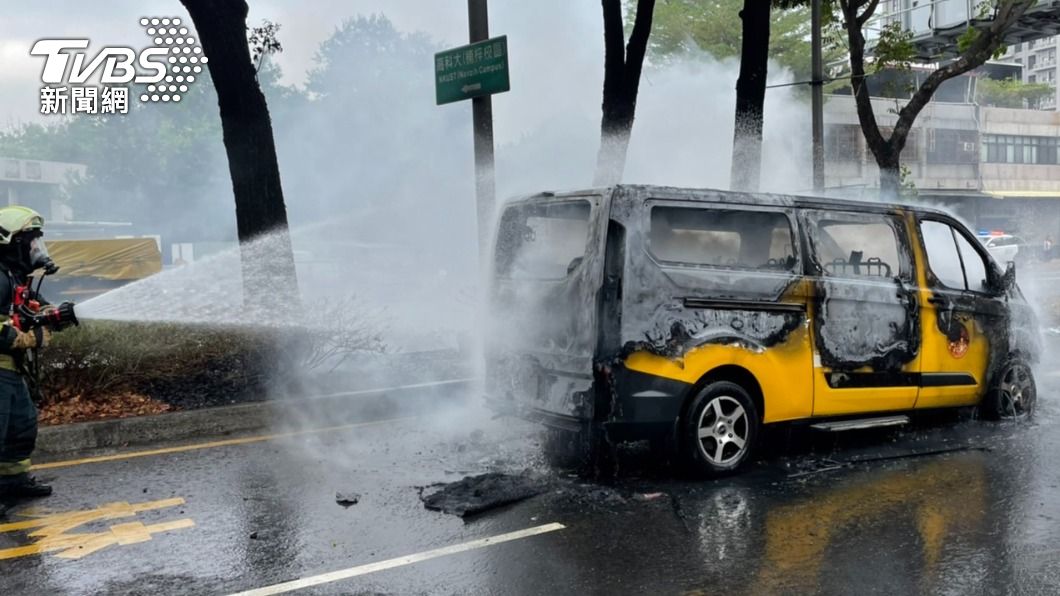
[
  {"x": 694, "y": 317},
  {"x": 1003, "y": 247}
]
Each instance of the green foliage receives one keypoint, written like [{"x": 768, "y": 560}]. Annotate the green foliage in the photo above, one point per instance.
[
  {"x": 369, "y": 92},
  {"x": 908, "y": 187},
  {"x": 894, "y": 48},
  {"x": 715, "y": 27},
  {"x": 966, "y": 39},
  {"x": 156, "y": 163},
  {"x": 264, "y": 42},
  {"x": 1010, "y": 93},
  {"x": 100, "y": 359}
]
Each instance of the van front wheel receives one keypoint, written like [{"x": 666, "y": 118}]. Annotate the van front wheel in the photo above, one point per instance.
[
  {"x": 1013, "y": 394},
  {"x": 720, "y": 431}
]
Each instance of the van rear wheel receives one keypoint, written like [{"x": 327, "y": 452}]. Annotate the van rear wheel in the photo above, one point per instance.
[{"x": 720, "y": 431}]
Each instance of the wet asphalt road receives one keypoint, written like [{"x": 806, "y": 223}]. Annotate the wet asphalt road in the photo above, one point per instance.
[{"x": 982, "y": 518}]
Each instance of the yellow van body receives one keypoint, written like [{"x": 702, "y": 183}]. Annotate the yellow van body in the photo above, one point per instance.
[{"x": 647, "y": 312}]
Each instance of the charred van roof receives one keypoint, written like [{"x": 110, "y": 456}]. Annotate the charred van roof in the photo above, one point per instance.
[{"x": 714, "y": 195}]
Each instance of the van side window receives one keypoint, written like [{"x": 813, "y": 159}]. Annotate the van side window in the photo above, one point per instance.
[
  {"x": 942, "y": 255},
  {"x": 974, "y": 266},
  {"x": 848, "y": 245},
  {"x": 951, "y": 258},
  {"x": 722, "y": 238}
]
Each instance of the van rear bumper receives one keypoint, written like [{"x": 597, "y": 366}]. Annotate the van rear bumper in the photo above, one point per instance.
[
  {"x": 646, "y": 407},
  {"x": 538, "y": 415},
  {"x": 625, "y": 430}
]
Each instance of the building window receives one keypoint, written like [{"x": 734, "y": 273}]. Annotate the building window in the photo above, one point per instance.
[
  {"x": 842, "y": 142},
  {"x": 911, "y": 151},
  {"x": 952, "y": 146},
  {"x": 33, "y": 171},
  {"x": 1020, "y": 149}
]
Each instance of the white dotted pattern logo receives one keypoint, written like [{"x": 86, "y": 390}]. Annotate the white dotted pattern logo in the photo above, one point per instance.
[{"x": 185, "y": 60}]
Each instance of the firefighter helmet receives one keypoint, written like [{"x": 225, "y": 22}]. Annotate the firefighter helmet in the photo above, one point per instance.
[{"x": 15, "y": 219}]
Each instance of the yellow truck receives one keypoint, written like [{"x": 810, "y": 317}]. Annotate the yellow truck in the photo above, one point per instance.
[{"x": 88, "y": 268}]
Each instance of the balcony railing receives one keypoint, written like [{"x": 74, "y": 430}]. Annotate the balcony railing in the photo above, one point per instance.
[{"x": 936, "y": 24}]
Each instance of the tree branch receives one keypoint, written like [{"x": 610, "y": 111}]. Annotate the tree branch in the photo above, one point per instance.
[
  {"x": 858, "y": 82},
  {"x": 614, "y": 36},
  {"x": 981, "y": 49},
  {"x": 868, "y": 12},
  {"x": 638, "y": 42}
]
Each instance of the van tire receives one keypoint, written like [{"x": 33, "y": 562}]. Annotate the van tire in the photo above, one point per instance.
[
  {"x": 1012, "y": 394},
  {"x": 720, "y": 431}
]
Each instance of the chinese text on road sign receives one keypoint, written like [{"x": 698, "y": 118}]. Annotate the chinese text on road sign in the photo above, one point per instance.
[{"x": 472, "y": 71}]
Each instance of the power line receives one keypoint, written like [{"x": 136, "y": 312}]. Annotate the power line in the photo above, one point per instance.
[{"x": 830, "y": 80}]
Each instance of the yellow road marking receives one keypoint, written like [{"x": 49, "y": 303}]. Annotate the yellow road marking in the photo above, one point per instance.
[
  {"x": 60, "y": 522},
  {"x": 210, "y": 445},
  {"x": 53, "y": 529}
]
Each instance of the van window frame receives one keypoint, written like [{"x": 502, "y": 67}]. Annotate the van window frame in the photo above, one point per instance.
[
  {"x": 546, "y": 200},
  {"x": 788, "y": 212},
  {"x": 977, "y": 246},
  {"x": 906, "y": 268}
]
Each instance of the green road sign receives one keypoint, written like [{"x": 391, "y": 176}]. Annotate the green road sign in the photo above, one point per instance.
[{"x": 472, "y": 71}]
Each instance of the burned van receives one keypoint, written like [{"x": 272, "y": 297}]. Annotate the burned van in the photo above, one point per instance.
[{"x": 694, "y": 317}]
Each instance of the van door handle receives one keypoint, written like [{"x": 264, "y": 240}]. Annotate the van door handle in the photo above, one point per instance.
[{"x": 939, "y": 301}]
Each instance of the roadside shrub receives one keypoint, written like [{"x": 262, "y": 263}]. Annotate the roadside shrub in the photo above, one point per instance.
[
  {"x": 191, "y": 366},
  {"x": 174, "y": 363}
]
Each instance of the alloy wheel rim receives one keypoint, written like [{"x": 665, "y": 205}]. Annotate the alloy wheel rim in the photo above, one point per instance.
[
  {"x": 1017, "y": 392},
  {"x": 723, "y": 429}
]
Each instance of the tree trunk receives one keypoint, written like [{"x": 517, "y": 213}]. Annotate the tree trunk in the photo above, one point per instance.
[
  {"x": 750, "y": 96},
  {"x": 269, "y": 278},
  {"x": 890, "y": 177},
  {"x": 622, "y": 68}
]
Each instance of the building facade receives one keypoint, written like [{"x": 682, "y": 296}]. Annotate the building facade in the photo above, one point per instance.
[
  {"x": 1039, "y": 61},
  {"x": 39, "y": 185},
  {"x": 997, "y": 167}
]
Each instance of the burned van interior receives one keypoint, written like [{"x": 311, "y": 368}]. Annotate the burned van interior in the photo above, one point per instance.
[
  {"x": 866, "y": 249},
  {"x": 721, "y": 238},
  {"x": 544, "y": 241}
]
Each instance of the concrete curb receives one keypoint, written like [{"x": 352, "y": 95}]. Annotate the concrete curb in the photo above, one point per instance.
[{"x": 331, "y": 409}]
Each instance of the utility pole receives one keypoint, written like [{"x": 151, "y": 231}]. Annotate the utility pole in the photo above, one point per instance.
[
  {"x": 482, "y": 123},
  {"x": 817, "y": 96}
]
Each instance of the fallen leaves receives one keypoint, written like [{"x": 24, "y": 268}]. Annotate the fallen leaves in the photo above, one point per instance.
[{"x": 119, "y": 405}]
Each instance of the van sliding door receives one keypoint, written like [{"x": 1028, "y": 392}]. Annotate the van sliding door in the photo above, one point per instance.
[{"x": 866, "y": 319}]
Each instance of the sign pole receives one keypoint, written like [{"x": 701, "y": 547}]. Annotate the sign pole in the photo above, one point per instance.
[{"x": 482, "y": 124}]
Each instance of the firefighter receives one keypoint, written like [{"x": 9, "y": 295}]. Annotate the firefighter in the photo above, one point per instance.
[{"x": 22, "y": 333}]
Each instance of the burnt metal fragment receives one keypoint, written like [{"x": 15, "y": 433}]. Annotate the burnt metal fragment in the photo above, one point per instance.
[
  {"x": 478, "y": 494},
  {"x": 347, "y": 499}
]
